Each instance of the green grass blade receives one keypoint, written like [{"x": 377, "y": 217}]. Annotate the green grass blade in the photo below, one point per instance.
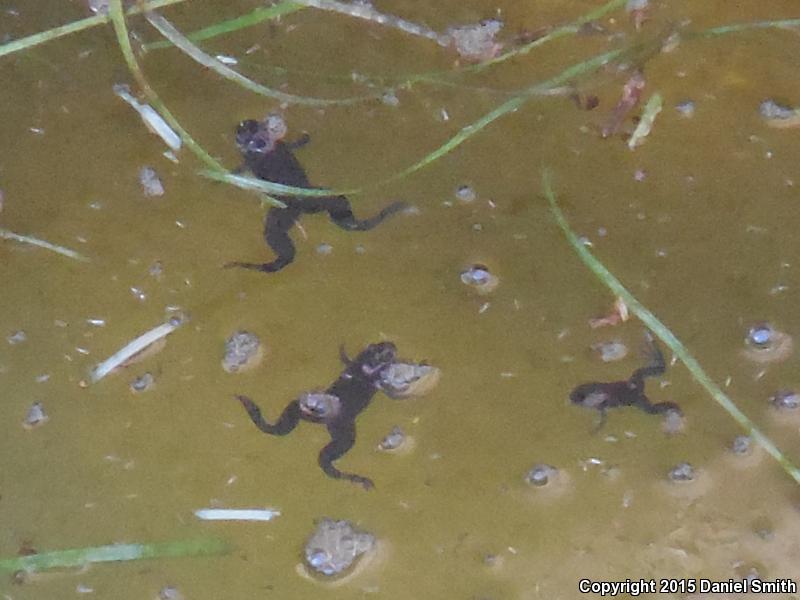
[
  {"x": 169, "y": 31},
  {"x": 558, "y": 32},
  {"x": 117, "y": 17},
  {"x": 79, "y": 557},
  {"x": 57, "y": 32},
  {"x": 118, "y": 20},
  {"x": 508, "y": 106},
  {"x": 437, "y": 77},
  {"x": 27, "y": 239},
  {"x": 268, "y": 187},
  {"x": 663, "y": 333},
  {"x": 737, "y": 27},
  {"x": 259, "y": 15}
]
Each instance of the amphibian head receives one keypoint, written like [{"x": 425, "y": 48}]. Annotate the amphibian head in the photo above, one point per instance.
[
  {"x": 376, "y": 357},
  {"x": 260, "y": 136}
]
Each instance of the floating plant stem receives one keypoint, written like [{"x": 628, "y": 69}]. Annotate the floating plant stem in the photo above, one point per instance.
[
  {"x": 133, "y": 348},
  {"x": 663, "y": 333},
  {"x": 441, "y": 77},
  {"x": 463, "y": 135},
  {"x": 654, "y": 105},
  {"x": 79, "y": 557},
  {"x": 364, "y": 10},
  {"x": 57, "y": 32},
  {"x": 237, "y": 514},
  {"x": 169, "y": 31},
  {"x": 269, "y": 187},
  {"x": 508, "y": 106},
  {"x": 255, "y": 17},
  {"x": 737, "y": 27},
  {"x": 558, "y": 32},
  {"x": 117, "y": 17},
  {"x": 154, "y": 121},
  {"x": 26, "y": 239}
]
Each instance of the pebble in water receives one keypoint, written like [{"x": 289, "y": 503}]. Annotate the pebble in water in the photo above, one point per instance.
[
  {"x": 151, "y": 183},
  {"x": 17, "y": 337},
  {"x": 35, "y": 417},
  {"x": 324, "y": 249},
  {"x": 403, "y": 380},
  {"x": 764, "y": 344},
  {"x": 480, "y": 279},
  {"x": 741, "y": 445},
  {"x": 390, "y": 98},
  {"x": 610, "y": 351},
  {"x": 673, "y": 422},
  {"x": 243, "y": 351},
  {"x": 682, "y": 472},
  {"x": 476, "y": 42},
  {"x": 99, "y": 7},
  {"x": 465, "y": 194},
  {"x": 142, "y": 383},
  {"x": 156, "y": 269},
  {"x": 170, "y": 593},
  {"x": 685, "y": 109},
  {"x": 760, "y": 335},
  {"x": 393, "y": 440},
  {"x": 771, "y": 110},
  {"x": 541, "y": 474},
  {"x": 785, "y": 400},
  {"x": 335, "y": 546}
]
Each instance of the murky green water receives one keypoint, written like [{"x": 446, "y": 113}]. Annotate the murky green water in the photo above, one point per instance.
[{"x": 706, "y": 241}]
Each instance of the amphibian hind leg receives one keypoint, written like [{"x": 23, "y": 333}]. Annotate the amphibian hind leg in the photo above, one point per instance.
[
  {"x": 341, "y": 213},
  {"x": 656, "y": 366},
  {"x": 343, "y": 436},
  {"x": 659, "y": 408},
  {"x": 276, "y": 233},
  {"x": 285, "y": 423}
]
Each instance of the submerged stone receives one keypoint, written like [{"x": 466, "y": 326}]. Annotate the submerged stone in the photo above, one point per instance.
[
  {"x": 143, "y": 382},
  {"x": 403, "y": 380},
  {"x": 610, "y": 351},
  {"x": 682, "y": 472},
  {"x": 785, "y": 400},
  {"x": 477, "y": 42},
  {"x": 541, "y": 474},
  {"x": 741, "y": 445},
  {"x": 151, "y": 182},
  {"x": 243, "y": 350},
  {"x": 479, "y": 278},
  {"x": 35, "y": 416},
  {"x": 393, "y": 440},
  {"x": 335, "y": 546}
]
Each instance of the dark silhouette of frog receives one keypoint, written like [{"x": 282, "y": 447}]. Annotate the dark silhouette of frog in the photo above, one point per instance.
[
  {"x": 602, "y": 396},
  {"x": 337, "y": 408},
  {"x": 269, "y": 158}
]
